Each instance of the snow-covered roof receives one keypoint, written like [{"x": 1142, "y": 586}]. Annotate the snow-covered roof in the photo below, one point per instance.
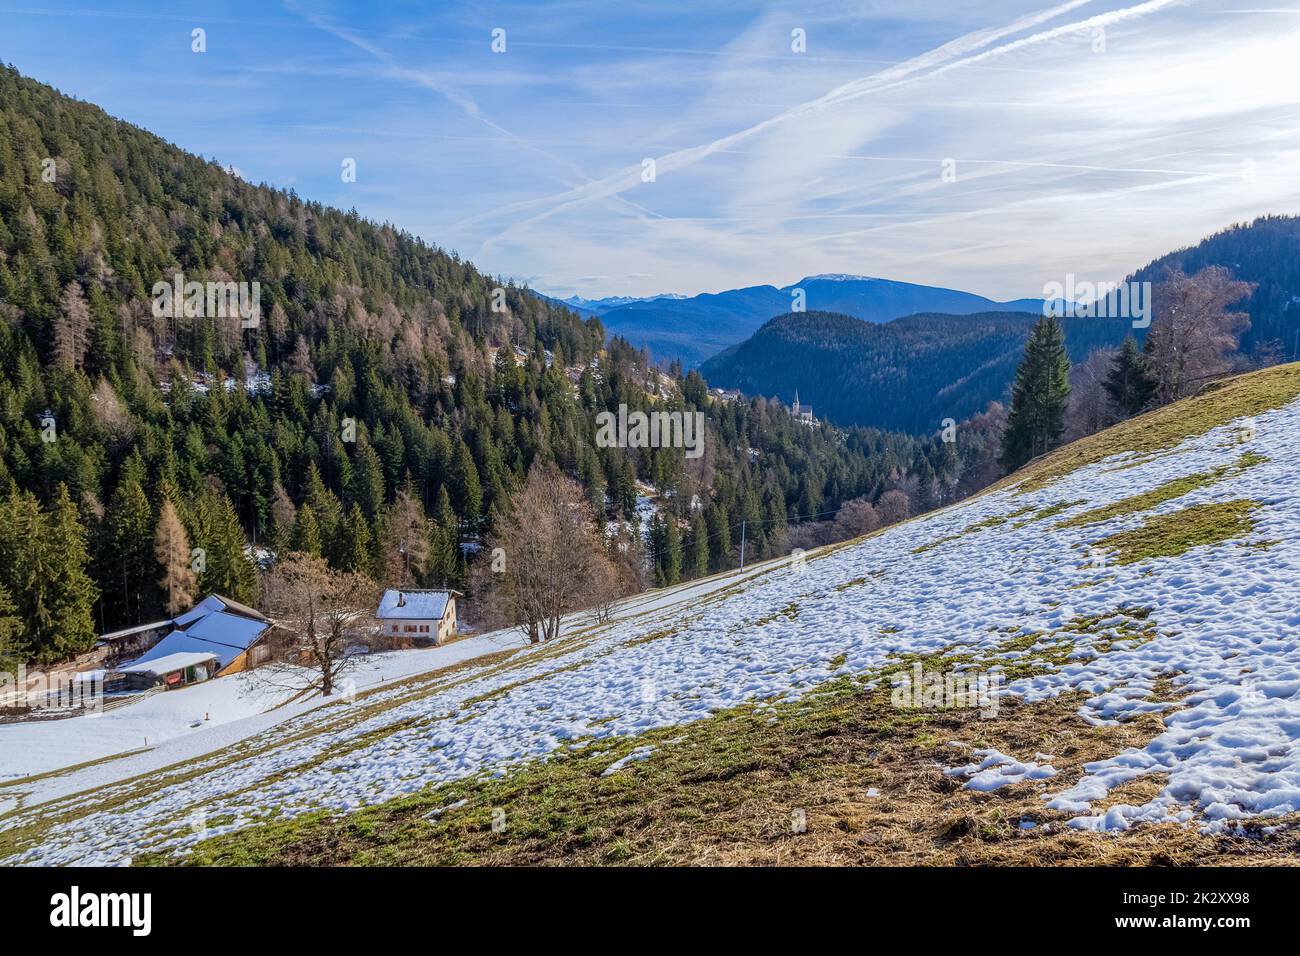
[
  {"x": 206, "y": 606},
  {"x": 216, "y": 625},
  {"x": 222, "y": 627},
  {"x": 172, "y": 662},
  {"x": 215, "y": 602},
  {"x": 138, "y": 629},
  {"x": 413, "y": 605}
]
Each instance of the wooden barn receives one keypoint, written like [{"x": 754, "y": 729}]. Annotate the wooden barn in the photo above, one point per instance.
[{"x": 233, "y": 633}]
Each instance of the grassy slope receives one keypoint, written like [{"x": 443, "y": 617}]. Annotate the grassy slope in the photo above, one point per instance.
[{"x": 725, "y": 790}]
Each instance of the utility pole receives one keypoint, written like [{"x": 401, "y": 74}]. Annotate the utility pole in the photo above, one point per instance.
[{"x": 742, "y": 544}]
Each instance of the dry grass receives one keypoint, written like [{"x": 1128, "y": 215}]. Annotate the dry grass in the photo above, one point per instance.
[{"x": 723, "y": 791}]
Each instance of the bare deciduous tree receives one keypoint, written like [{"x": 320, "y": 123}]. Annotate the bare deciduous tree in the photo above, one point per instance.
[
  {"x": 855, "y": 518},
  {"x": 407, "y": 553},
  {"x": 1193, "y": 336},
  {"x": 72, "y": 328},
  {"x": 894, "y": 506},
  {"x": 324, "y": 616},
  {"x": 552, "y": 558},
  {"x": 607, "y": 586},
  {"x": 1090, "y": 409}
]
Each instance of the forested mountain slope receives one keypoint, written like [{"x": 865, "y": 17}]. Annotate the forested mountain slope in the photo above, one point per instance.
[
  {"x": 381, "y": 413},
  {"x": 908, "y": 374},
  {"x": 1265, "y": 252}
]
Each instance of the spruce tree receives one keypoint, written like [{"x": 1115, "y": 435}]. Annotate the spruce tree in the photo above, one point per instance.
[
  {"x": 444, "y": 543},
  {"x": 13, "y": 651},
  {"x": 306, "y": 532},
  {"x": 672, "y": 556},
  {"x": 355, "y": 555},
  {"x": 72, "y": 592},
  {"x": 465, "y": 483},
  {"x": 1130, "y": 383},
  {"x": 227, "y": 569},
  {"x": 1040, "y": 396},
  {"x": 698, "y": 564},
  {"x": 129, "y": 534}
]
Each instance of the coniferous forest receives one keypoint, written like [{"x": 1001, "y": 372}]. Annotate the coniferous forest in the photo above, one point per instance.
[{"x": 381, "y": 413}]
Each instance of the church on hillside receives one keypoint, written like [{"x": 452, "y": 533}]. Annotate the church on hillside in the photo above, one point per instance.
[{"x": 802, "y": 413}]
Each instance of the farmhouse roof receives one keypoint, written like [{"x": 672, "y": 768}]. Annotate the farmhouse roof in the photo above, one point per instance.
[{"x": 406, "y": 604}]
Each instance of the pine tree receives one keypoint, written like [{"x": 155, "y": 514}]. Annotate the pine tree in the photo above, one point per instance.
[
  {"x": 672, "y": 552},
  {"x": 226, "y": 568},
  {"x": 172, "y": 550},
  {"x": 698, "y": 564},
  {"x": 306, "y": 532},
  {"x": 1040, "y": 396},
  {"x": 129, "y": 535},
  {"x": 1130, "y": 383},
  {"x": 72, "y": 592}
]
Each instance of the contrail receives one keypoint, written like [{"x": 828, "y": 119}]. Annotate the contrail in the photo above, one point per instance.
[
  {"x": 937, "y": 61},
  {"x": 886, "y": 79},
  {"x": 465, "y": 103}
]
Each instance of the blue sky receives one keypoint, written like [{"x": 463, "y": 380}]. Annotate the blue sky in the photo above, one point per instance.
[{"x": 1085, "y": 136}]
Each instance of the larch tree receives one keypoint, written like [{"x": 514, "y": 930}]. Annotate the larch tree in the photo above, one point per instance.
[
  {"x": 172, "y": 550},
  {"x": 551, "y": 554},
  {"x": 72, "y": 328},
  {"x": 408, "y": 545}
]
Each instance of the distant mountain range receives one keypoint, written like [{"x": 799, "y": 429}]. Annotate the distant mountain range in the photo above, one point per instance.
[
  {"x": 911, "y": 373},
  {"x": 693, "y": 328},
  {"x": 907, "y": 375}
]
